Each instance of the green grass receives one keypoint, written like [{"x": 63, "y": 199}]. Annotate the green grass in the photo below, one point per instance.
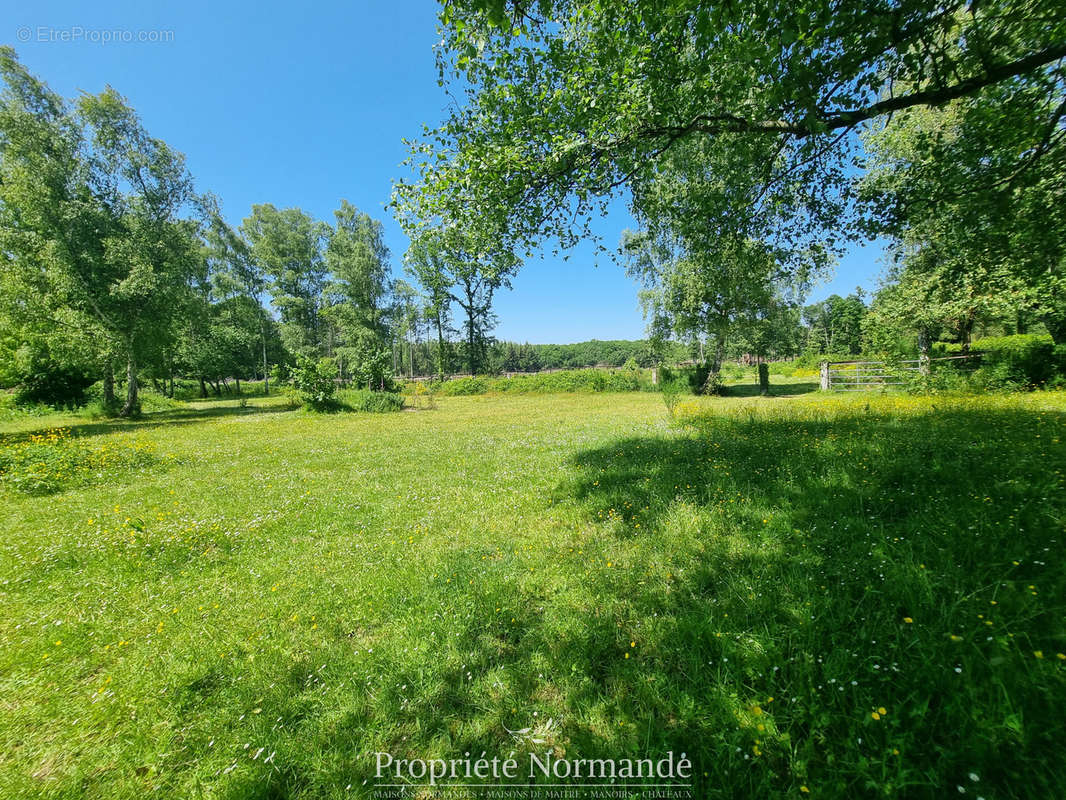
[{"x": 859, "y": 595}]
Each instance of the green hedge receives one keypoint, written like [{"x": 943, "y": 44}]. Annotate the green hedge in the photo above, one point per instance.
[
  {"x": 566, "y": 381},
  {"x": 1024, "y": 359}
]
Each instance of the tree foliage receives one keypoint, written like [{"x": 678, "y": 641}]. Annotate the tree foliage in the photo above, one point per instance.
[{"x": 564, "y": 102}]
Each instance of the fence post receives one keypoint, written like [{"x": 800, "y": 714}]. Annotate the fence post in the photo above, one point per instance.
[{"x": 825, "y": 376}]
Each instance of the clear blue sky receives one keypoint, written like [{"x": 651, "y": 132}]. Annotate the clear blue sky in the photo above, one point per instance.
[{"x": 301, "y": 105}]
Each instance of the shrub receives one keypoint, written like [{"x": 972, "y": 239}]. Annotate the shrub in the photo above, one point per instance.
[
  {"x": 1015, "y": 362},
  {"x": 315, "y": 382},
  {"x": 370, "y": 366},
  {"x": 671, "y": 392},
  {"x": 464, "y": 386},
  {"x": 53, "y": 385},
  {"x": 279, "y": 374},
  {"x": 376, "y": 402},
  {"x": 423, "y": 394}
]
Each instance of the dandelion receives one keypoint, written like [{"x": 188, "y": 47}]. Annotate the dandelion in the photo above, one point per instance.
[
  {"x": 908, "y": 620},
  {"x": 1038, "y": 653}
]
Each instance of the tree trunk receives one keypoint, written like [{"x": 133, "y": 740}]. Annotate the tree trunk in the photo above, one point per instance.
[
  {"x": 133, "y": 406},
  {"x": 966, "y": 332},
  {"x": 440, "y": 347},
  {"x": 266, "y": 374},
  {"x": 713, "y": 384},
  {"x": 764, "y": 379},
  {"x": 923, "y": 352},
  {"x": 238, "y": 382},
  {"x": 203, "y": 387},
  {"x": 109, "y": 385}
]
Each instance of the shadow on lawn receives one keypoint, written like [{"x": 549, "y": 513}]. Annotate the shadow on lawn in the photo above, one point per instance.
[
  {"x": 782, "y": 558},
  {"x": 776, "y": 389},
  {"x": 774, "y": 582},
  {"x": 155, "y": 419},
  {"x": 763, "y": 575}
]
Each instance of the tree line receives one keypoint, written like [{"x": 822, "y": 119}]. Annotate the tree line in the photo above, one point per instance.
[
  {"x": 118, "y": 270},
  {"x": 753, "y": 144}
]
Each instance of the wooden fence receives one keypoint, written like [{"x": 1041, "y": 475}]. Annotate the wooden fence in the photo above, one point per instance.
[{"x": 864, "y": 376}]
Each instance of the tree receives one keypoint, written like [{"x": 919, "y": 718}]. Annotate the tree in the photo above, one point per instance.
[
  {"x": 972, "y": 197},
  {"x": 466, "y": 267},
  {"x": 567, "y": 101},
  {"x": 771, "y": 331},
  {"x": 834, "y": 325},
  {"x": 475, "y": 287},
  {"x": 407, "y": 317},
  {"x": 425, "y": 264},
  {"x": 694, "y": 294},
  {"x": 528, "y": 360},
  {"x": 357, "y": 260},
  {"x": 288, "y": 246},
  {"x": 234, "y": 272},
  {"x": 92, "y": 208}
]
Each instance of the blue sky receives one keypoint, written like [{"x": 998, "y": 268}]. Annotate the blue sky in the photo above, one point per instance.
[{"x": 301, "y": 105}]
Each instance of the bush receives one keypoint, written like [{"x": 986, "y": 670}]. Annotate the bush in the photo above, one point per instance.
[
  {"x": 565, "y": 381},
  {"x": 464, "y": 386},
  {"x": 53, "y": 385},
  {"x": 375, "y": 402},
  {"x": 279, "y": 374},
  {"x": 1015, "y": 362},
  {"x": 315, "y": 383},
  {"x": 671, "y": 392}
]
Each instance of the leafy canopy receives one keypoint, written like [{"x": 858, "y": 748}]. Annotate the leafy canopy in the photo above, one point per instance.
[{"x": 562, "y": 103}]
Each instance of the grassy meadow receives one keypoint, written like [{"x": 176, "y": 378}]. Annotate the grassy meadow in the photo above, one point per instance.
[{"x": 810, "y": 596}]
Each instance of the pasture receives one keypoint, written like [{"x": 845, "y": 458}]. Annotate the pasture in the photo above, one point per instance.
[{"x": 819, "y": 596}]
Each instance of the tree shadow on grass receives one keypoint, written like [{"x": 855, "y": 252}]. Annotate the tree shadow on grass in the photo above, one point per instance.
[
  {"x": 154, "y": 419},
  {"x": 791, "y": 601},
  {"x": 776, "y": 389},
  {"x": 758, "y": 589},
  {"x": 788, "y": 557}
]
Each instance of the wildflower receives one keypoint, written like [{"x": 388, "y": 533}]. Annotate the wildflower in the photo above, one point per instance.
[
  {"x": 908, "y": 620},
  {"x": 1038, "y": 653}
]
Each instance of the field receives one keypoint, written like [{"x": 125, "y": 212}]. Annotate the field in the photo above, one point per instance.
[{"x": 816, "y": 596}]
